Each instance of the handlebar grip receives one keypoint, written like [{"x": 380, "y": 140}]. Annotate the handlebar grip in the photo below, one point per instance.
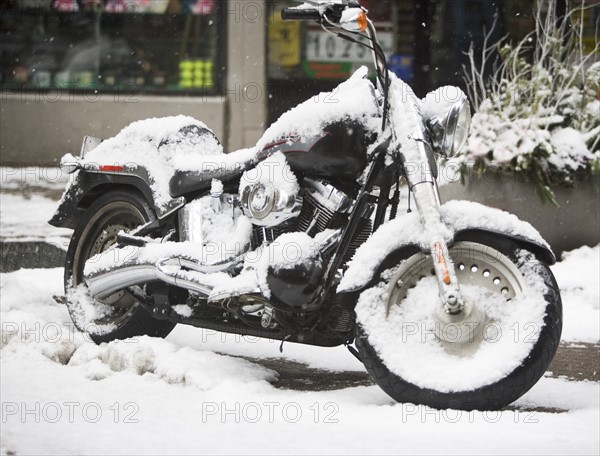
[{"x": 300, "y": 14}]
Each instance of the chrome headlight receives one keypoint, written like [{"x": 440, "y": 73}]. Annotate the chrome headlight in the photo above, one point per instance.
[{"x": 447, "y": 113}]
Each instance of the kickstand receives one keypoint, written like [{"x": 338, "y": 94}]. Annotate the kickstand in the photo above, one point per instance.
[
  {"x": 282, "y": 342},
  {"x": 354, "y": 351}
]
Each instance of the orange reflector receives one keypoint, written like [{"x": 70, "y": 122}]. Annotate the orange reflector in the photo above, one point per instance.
[
  {"x": 439, "y": 252},
  {"x": 113, "y": 168},
  {"x": 446, "y": 277},
  {"x": 362, "y": 21}
]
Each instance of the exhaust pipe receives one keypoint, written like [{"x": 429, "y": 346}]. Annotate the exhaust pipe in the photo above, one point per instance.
[
  {"x": 102, "y": 284},
  {"x": 166, "y": 270}
]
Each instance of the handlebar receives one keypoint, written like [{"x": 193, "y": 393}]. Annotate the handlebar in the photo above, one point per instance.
[
  {"x": 331, "y": 17},
  {"x": 300, "y": 14}
]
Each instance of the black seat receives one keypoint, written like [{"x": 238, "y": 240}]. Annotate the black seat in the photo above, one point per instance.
[
  {"x": 195, "y": 136},
  {"x": 184, "y": 182}
]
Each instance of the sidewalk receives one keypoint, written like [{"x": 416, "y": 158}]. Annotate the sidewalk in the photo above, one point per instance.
[{"x": 28, "y": 198}]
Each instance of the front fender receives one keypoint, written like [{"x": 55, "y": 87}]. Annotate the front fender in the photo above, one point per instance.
[{"x": 463, "y": 218}]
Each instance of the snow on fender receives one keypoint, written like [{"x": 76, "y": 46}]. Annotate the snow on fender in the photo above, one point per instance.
[{"x": 408, "y": 230}]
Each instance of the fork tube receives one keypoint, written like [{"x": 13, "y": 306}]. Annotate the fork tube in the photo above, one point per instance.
[
  {"x": 408, "y": 132},
  {"x": 424, "y": 187}
]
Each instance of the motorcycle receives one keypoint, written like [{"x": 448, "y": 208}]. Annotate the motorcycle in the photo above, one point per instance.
[{"x": 300, "y": 238}]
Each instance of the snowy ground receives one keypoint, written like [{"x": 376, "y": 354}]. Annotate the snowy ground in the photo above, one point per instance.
[
  {"x": 28, "y": 199},
  {"x": 192, "y": 393}
]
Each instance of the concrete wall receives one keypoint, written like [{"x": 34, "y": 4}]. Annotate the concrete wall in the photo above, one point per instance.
[
  {"x": 37, "y": 129},
  {"x": 571, "y": 225}
]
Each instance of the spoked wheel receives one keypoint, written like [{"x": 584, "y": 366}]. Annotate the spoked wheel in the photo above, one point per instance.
[
  {"x": 483, "y": 360},
  {"x": 119, "y": 315}
]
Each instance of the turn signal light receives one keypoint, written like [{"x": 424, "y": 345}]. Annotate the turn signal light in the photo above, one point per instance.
[
  {"x": 362, "y": 21},
  {"x": 354, "y": 20}
]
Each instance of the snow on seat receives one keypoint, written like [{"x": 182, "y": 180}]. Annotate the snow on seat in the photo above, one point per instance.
[{"x": 167, "y": 147}]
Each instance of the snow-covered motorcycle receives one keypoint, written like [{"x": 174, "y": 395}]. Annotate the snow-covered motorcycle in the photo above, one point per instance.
[{"x": 299, "y": 239}]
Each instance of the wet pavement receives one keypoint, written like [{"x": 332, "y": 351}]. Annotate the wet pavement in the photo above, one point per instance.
[{"x": 572, "y": 361}]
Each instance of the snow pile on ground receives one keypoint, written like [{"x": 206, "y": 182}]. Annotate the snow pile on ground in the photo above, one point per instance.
[
  {"x": 126, "y": 396},
  {"x": 30, "y": 316},
  {"x": 577, "y": 276},
  {"x": 62, "y": 394},
  {"x": 162, "y": 360}
]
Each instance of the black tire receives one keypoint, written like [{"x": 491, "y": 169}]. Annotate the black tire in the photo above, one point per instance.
[
  {"x": 96, "y": 231},
  {"x": 494, "y": 396}
]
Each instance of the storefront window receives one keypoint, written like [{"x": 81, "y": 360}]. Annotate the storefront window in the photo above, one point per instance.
[
  {"x": 304, "y": 60},
  {"x": 160, "y": 46},
  {"x": 304, "y": 50}
]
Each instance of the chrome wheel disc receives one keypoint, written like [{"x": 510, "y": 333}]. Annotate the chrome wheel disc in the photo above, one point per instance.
[{"x": 477, "y": 267}]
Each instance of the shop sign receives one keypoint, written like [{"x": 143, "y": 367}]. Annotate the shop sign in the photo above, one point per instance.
[{"x": 321, "y": 46}]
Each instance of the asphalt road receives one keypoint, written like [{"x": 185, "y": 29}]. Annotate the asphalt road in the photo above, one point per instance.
[{"x": 572, "y": 361}]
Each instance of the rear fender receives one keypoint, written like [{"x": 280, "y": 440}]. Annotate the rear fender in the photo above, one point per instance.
[{"x": 85, "y": 186}]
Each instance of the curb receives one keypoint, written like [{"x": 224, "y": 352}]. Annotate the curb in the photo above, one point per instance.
[{"x": 30, "y": 255}]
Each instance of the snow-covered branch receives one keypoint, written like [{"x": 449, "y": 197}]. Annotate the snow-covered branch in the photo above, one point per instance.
[{"x": 539, "y": 113}]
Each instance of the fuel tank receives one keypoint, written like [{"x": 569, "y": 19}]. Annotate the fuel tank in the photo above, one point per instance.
[{"x": 338, "y": 151}]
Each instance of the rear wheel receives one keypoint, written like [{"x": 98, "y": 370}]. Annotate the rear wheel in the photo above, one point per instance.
[
  {"x": 118, "y": 316},
  {"x": 480, "y": 364}
]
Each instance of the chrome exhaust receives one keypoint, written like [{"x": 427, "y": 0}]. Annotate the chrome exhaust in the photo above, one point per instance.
[{"x": 167, "y": 270}]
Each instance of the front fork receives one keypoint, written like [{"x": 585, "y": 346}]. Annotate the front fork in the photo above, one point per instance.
[{"x": 423, "y": 184}]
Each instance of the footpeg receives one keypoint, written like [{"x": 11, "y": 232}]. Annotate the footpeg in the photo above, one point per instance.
[{"x": 124, "y": 240}]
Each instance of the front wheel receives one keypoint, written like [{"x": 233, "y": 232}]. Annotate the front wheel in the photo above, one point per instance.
[
  {"x": 118, "y": 316},
  {"x": 415, "y": 357}
]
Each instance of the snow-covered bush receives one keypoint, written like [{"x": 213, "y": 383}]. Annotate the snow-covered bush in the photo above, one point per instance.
[{"x": 539, "y": 115}]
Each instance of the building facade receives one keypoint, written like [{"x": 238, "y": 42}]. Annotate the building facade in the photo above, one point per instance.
[
  {"x": 74, "y": 67},
  {"x": 71, "y": 68}
]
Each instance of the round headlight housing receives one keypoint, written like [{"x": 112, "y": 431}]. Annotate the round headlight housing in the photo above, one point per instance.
[
  {"x": 448, "y": 120},
  {"x": 457, "y": 128}
]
